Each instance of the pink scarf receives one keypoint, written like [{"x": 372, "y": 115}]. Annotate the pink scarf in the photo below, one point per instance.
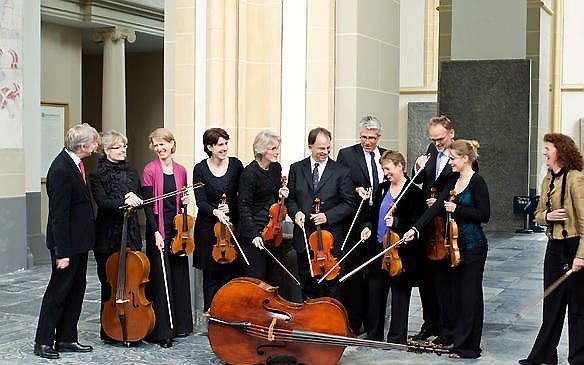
[{"x": 154, "y": 177}]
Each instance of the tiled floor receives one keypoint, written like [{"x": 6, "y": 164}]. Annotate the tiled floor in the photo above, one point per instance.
[{"x": 512, "y": 278}]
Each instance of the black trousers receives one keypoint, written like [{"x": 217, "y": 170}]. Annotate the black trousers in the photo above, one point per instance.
[
  {"x": 558, "y": 258},
  {"x": 262, "y": 266},
  {"x": 310, "y": 287},
  {"x": 401, "y": 289},
  {"x": 446, "y": 294},
  {"x": 428, "y": 296},
  {"x": 213, "y": 280},
  {"x": 469, "y": 294},
  {"x": 61, "y": 305},
  {"x": 354, "y": 291}
]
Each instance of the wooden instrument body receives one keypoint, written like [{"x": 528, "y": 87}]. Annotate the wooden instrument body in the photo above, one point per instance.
[
  {"x": 435, "y": 249},
  {"x": 391, "y": 261},
  {"x": 272, "y": 233},
  {"x": 183, "y": 243},
  {"x": 224, "y": 251},
  {"x": 321, "y": 243},
  {"x": 452, "y": 237},
  {"x": 251, "y": 300}
]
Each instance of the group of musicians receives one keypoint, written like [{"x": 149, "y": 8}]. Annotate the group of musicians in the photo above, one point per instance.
[{"x": 364, "y": 196}]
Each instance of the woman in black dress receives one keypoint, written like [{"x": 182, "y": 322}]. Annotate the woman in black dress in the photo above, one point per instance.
[
  {"x": 164, "y": 175},
  {"x": 220, "y": 174},
  {"x": 259, "y": 188},
  {"x": 471, "y": 208},
  {"x": 114, "y": 183},
  {"x": 410, "y": 207}
]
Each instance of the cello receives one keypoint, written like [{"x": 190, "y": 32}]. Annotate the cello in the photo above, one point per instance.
[
  {"x": 183, "y": 244},
  {"x": 127, "y": 316},
  {"x": 451, "y": 236},
  {"x": 391, "y": 261},
  {"x": 435, "y": 249},
  {"x": 321, "y": 245},
  {"x": 273, "y": 230},
  {"x": 250, "y": 323},
  {"x": 223, "y": 250}
]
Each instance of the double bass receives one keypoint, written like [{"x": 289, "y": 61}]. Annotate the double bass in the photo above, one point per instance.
[
  {"x": 321, "y": 244},
  {"x": 127, "y": 316},
  {"x": 451, "y": 236},
  {"x": 273, "y": 230},
  {"x": 183, "y": 243},
  {"x": 250, "y": 323},
  {"x": 224, "y": 251},
  {"x": 435, "y": 249},
  {"x": 391, "y": 261}
]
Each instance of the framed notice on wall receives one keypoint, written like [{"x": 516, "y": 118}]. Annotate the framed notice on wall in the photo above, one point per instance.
[{"x": 54, "y": 118}]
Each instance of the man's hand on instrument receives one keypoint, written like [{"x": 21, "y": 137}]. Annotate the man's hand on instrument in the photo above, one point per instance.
[
  {"x": 319, "y": 218},
  {"x": 577, "y": 264},
  {"x": 224, "y": 208},
  {"x": 364, "y": 193},
  {"x": 132, "y": 200},
  {"x": 159, "y": 240},
  {"x": 258, "y": 243},
  {"x": 299, "y": 219},
  {"x": 410, "y": 235},
  {"x": 388, "y": 220},
  {"x": 450, "y": 207},
  {"x": 62, "y": 263},
  {"x": 557, "y": 215},
  {"x": 421, "y": 161},
  {"x": 430, "y": 202},
  {"x": 365, "y": 233},
  {"x": 283, "y": 192}
]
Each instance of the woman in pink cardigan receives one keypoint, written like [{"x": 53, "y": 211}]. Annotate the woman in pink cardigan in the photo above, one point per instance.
[{"x": 164, "y": 175}]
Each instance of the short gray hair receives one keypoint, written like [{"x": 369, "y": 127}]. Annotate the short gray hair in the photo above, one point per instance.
[
  {"x": 370, "y": 122},
  {"x": 112, "y": 137},
  {"x": 261, "y": 143},
  {"x": 80, "y": 135}
]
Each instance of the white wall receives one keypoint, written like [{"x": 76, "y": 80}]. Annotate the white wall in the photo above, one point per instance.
[
  {"x": 488, "y": 29},
  {"x": 411, "y": 58}
]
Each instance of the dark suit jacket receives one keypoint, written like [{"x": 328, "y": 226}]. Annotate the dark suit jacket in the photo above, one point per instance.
[
  {"x": 336, "y": 192},
  {"x": 426, "y": 176},
  {"x": 70, "y": 227}
]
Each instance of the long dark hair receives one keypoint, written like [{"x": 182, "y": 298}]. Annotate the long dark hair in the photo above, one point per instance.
[{"x": 569, "y": 156}]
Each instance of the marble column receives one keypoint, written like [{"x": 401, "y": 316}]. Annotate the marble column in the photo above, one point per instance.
[{"x": 113, "y": 111}]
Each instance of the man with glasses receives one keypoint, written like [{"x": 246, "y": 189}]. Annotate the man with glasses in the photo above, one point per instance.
[{"x": 366, "y": 172}]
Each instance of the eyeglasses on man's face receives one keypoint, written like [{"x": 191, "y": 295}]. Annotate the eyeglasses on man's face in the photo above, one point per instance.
[
  {"x": 439, "y": 140},
  {"x": 368, "y": 138}
]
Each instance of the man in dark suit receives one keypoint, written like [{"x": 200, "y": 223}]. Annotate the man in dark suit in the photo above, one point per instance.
[
  {"x": 70, "y": 235},
  {"x": 363, "y": 161},
  {"x": 318, "y": 176},
  {"x": 435, "y": 279}
]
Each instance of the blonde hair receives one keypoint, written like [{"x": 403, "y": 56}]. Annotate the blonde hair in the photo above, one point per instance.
[
  {"x": 110, "y": 138},
  {"x": 465, "y": 147},
  {"x": 162, "y": 133},
  {"x": 393, "y": 156},
  {"x": 262, "y": 142},
  {"x": 80, "y": 135}
]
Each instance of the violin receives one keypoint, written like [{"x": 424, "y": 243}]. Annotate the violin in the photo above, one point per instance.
[
  {"x": 391, "y": 261},
  {"x": 183, "y": 243},
  {"x": 435, "y": 249},
  {"x": 273, "y": 230},
  {"x": 250, "y": 323},
  {"x": 451, "y": 237},
  {"x": 321, "y": 245},
  {"x": 127, "y": 316},
  {"x": 223, "y": 250}
]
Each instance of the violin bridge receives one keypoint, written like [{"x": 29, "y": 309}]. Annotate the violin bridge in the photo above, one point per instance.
[
  {"x": 271, "y": 336},
  {"x": 122, "y": 301}
]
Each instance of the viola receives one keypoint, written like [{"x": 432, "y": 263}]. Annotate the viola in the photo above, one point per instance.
[
  {"x": 321, "y": 245},
  {"x": 273, "y": 230},
  {"x": 435, "y": 249},
  {"x": 183, "y": 243},
  {"x": 127, "y": 316},
  {"x": 391, "y": 261},
  {"x": 451, "y": 237},
  {"x": 250, "y": 323},
  {"x": 224, "y": 251}
]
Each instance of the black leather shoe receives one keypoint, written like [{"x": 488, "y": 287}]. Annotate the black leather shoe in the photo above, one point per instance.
[
  {"x": 165, "y": 344},
  {"x": 527, "y": 362},
  {"x": 424, "y": 334},
  {"x": 72, "y": 347},
  {"x": 46, "y": 351},
  {"x": 445, "y": 341}
]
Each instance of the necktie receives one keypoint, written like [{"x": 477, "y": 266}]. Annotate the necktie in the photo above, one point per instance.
[
  {"x": 438, "y": 163},
  {"x": 374, "y": 172},
  {"x": 82, "y": 169},
  {"x": 315, "y": 177}
]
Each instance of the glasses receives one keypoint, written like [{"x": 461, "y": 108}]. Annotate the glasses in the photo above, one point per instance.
[
  {"x": 368, "y": 138},
  {"x": 118, "y": 147},
  {"x": 438, "y": 140}
]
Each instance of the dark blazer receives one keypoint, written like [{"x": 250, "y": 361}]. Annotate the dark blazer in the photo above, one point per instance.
[
  {"x": 70, "y": 227},
  {"x": 353, "y": 158},
  {"x": 336, "y": 192}
]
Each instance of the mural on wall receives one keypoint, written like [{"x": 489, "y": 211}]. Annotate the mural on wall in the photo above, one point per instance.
[{"x": 11, "y": 73}]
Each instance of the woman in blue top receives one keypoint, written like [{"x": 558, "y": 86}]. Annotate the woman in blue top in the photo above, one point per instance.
[{"x": 470, "y": 208}]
